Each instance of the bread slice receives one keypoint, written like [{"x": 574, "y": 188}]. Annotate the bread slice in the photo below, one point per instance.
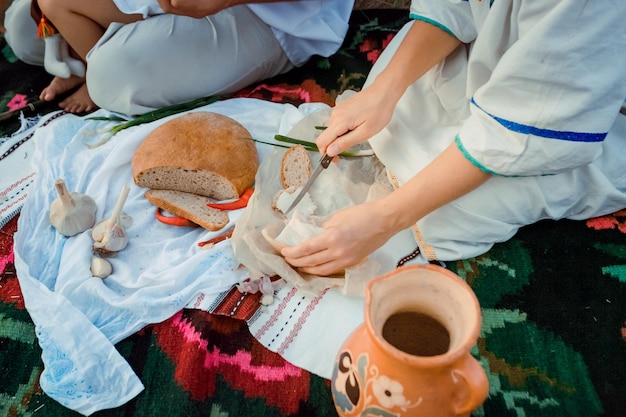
[
  {"x": 202, "y": 153},
  {"x": 295, "y": 167},
  {"x": 189, "y": 206}
]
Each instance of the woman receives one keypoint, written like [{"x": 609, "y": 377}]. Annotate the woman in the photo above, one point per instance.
[{"x": 489, "y": 115}]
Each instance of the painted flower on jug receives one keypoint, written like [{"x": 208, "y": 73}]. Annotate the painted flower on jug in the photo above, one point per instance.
[
  {"x": 360, "y": 390},
  {"x": 389, "y": 393},
  {"x": 346, "y": 383}
]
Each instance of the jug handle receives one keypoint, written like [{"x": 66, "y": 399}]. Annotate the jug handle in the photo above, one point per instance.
[{"x": 472, "y": 386}]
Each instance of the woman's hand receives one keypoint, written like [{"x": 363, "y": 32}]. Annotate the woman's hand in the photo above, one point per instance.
[
  {"x": 350, "y": 236},
  {"x": 354, "y": 233},
  {"x": 357, "y": 119},
  {"x": 366, "y": 113}
]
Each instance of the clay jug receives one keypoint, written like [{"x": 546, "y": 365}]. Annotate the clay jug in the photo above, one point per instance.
[{"x": 411, "y": 356}]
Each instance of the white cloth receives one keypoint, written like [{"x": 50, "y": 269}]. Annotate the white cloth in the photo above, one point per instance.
[
  {"x": 21, "y": 33},
  {"x": 350, "y": 182},
  {"x": 307, "y": 27},
  {"x": 533, "y": 99},
  {"x": 220, "y": 54},
  {"x": 17, "y": 174},
  {"x": 308, "y": 329},
  {"x": 79, "y": 318},
  {"x": 303, "y": 28}
]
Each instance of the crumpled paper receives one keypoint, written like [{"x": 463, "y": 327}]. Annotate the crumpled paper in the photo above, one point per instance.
[{"x": 354, "y": 180}]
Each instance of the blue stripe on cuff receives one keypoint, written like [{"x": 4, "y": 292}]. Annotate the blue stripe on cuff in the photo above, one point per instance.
[{"x": 545, "y": 133}]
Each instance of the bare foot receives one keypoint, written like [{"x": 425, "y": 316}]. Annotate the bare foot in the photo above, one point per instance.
[
  {"x": 78, "y": 102},
  {"x": 59, "y": 86}
]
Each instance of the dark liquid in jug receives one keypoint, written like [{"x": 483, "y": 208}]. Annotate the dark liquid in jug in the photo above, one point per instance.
[{"x": 416, "y": 334}]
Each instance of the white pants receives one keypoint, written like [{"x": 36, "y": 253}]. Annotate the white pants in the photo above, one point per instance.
[
  {"x": 21, "y": 33},
  {"x": 165, "y": 59}
]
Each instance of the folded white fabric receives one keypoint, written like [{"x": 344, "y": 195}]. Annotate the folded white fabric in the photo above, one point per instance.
[{"x": 79, "y": 318}]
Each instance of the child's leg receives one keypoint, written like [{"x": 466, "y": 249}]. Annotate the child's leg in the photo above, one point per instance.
[
  {"x": 81, "y": 22},
  {"x": 4, "y": 5}
]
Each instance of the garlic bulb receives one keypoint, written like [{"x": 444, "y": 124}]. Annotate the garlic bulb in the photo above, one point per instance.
[
  {"x": 100, "y": 268},
  {"x": 109, "y": 235},
  {"x": 71, "y": 213},
  {"x": 267, "y": 300}
]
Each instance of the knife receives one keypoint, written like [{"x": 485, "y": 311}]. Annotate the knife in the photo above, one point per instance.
[{"x": 324, "y": 162}]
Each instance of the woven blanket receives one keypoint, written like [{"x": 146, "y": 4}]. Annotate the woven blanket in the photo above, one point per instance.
[{"x": 553, "y": 300}]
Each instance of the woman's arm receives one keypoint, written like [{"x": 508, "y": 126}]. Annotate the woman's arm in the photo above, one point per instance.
[
  {"x": 352, "y": 234},
  {"x": 358, "y": 118}
]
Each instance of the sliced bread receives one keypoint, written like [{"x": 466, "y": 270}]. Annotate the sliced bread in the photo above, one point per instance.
[
  {"x": 295, "y": 167},
  {"x": 189, "y": 206},
  {"x": 201, "y": 153}
]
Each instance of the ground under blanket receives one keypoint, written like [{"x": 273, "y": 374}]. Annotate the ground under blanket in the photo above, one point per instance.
[{"x": 553, "y": 300}]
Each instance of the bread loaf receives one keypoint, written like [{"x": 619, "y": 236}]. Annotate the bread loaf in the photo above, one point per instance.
[
  {"x": 201, "y": 153},
  {"x": 189, "y": 206}
]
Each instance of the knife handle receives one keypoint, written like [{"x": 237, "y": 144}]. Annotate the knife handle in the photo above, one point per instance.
[{"x": 326, "y": 160}]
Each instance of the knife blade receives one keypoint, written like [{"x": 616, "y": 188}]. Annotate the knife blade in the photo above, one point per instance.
[{"x": 324, "y": 163}]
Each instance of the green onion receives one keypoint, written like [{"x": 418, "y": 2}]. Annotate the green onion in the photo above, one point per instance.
[
  {"x": 311, "y": 146},
  {"x": 308, "y": 148},
  {"x": 203, "y": 101},
  {"x": 158, "y": 114},
  {"x": 305, "y": 143},
  {"x": 110, "y": 119}
]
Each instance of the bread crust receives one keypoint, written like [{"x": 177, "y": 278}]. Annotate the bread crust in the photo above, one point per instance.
[
  {"x": 202, "y": 153},
  {"x": 189, "y": 206}
]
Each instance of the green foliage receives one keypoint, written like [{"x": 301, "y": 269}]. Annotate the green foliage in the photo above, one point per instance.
[{"x": 8, "y": 54}]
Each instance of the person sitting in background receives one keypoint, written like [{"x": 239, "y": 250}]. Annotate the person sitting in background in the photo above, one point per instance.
[
  {"x": 141, "y": 62},
  {"x": 489, "y": 116}
]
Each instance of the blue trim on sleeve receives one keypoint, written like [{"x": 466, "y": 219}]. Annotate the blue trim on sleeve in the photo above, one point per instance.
[
  {"x": 414, "y": 16},
  {"x": 466, "y": 154},
  {"x": 545, "y": 133}
]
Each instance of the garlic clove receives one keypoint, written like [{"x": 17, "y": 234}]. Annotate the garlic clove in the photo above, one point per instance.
[
  {"x": 100, "y": 268},
  {"x": 126, "y": 220},
  {"x": 109, "y": 239},
  {"x": 97, "y": 233},
  {"x": 71, "y": 213},
  {"x": 267, "y": 300},
  {"x": 109, "y": 235}
]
